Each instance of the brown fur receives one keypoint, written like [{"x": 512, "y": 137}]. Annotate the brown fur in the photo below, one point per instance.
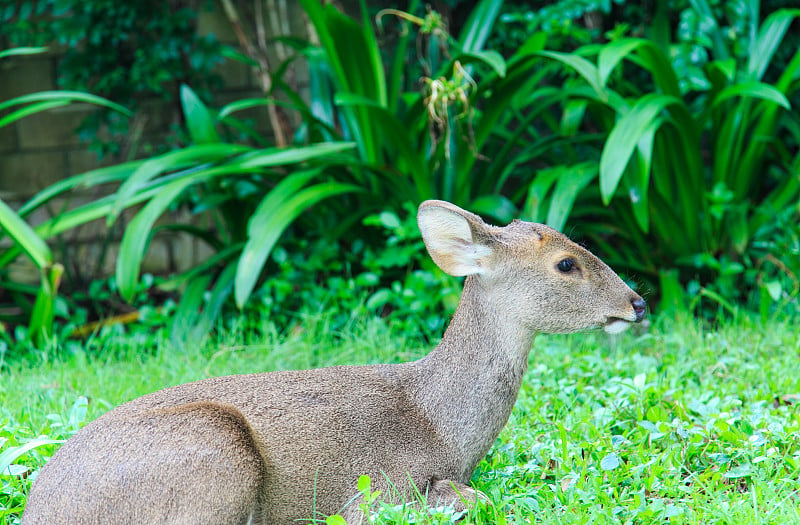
[{"x": 280, "y": 447}]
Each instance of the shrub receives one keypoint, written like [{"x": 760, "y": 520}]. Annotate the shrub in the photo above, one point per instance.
[{"x": 695, "y": 179}]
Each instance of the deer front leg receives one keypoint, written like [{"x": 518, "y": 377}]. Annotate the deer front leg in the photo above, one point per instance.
[
  {"x": 441, "y": 492},
  {"x": 448, "y": 492}
]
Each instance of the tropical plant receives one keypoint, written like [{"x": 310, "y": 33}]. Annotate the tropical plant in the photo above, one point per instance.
[
  {"x": 408, "y": 145},
  {"x": 13, "y": 224},
  {"x": 693, "y": 178},
  {"x": 253, "y": 195},
  {"x": 454, "y": 137}
]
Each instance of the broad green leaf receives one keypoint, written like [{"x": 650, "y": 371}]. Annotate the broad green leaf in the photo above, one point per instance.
[
  {"x": 397, "y": 138},
  {"x": 64, "y": 96},
  {"x": 25, "y": 236},
  {"x": 31, "y": 109},
  {"x": 40, "y": 324},
  {"x": 291, "y": 155},
  {"x": 88, "y": 180},
  {"x": 91, "y": 211},
  {"x": 136, "y": 189},
  {"x": 173, "y": 160},
  {"x": 375, "y": 69},
  {"x": 137, "y": 236},
  {"x": 754, "y": 90},
  {"x": 770, "y": 36},
  {"x": 317, "y": 14},
  {"x": 721, "y": 72},
  {"x": 536, "y": 203},
  {"x": 189, "y": 310},
  {"x": 612, "y": 54},
  {"x": 522, "y": 69},
  {"x": 354, "y": 99},
  {"x": 234, "y": 54},
  {"x": 244, "y": 104},
  {"x": 774, "y": 289},
  {"x": 652, "y": 58},
  {"x": 268, "y": 223},
  {"x": 479, "y": 25},
  {"x": 639, "y": 180},
  {"x": 534, "y": 43},
  {"x": 580, "y": 65},
  {"x": 751, "y": 158},
  {"x": 521, "y": 159},
  {"x": 569, "y": 184},
  {"x": 354, "y": 59},
  {"x": 740, "y": 471},
  {"x": 572, "y": 116},
  {"x": 11, "y": 454},
  {"x": 624, "y": 137},
  {"x": 199, "y": 121},
  {"x": 20, "y": 51},
  {"x": 319, "y": 86},
  {"x": 202, "y": 233},
  {"x": 644, "y": 53},
  {"x": 216, "y": 300},
  {"x": 197, "y": 310},
  {"x": 491, "y": 58},
  {"x": 288, "y": 186},
  {"x": 364, "y": 484}
]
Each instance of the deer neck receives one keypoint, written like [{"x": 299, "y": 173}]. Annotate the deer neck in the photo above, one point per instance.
[{"x": 468, "y": 384}]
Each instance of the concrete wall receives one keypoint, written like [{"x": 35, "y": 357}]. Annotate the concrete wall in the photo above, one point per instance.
[{"x": 44, "y": 148}]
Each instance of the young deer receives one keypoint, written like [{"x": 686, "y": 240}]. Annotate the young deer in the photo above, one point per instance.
[{"x": 279, "y": 447}]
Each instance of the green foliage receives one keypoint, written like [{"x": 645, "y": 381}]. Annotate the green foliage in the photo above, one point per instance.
[
  {"x": 697, "y": 144},
  {"x": 657, "y": 168},
  {"x": 450, "y": 140},
  {"x": 12, "y": 223},
  {"x": 124, "y": 52},
  {"x": 694, "y": 178},
  {"x": 250, "y": 192},
  {"x": 391, "y": 277},
  {"x": 560, "y": 19}
]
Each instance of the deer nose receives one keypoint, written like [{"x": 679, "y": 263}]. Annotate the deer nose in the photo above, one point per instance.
[{"x": 639, "y": 308}]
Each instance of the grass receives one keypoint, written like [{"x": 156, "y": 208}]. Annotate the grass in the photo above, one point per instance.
[{"x": 679, "y": 424}]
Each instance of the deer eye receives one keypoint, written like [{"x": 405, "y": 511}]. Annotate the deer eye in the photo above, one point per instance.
[{"x": 566, "y": 265}]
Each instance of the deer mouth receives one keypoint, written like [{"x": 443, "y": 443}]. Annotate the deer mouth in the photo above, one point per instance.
[{"x": 616, "y": 325}]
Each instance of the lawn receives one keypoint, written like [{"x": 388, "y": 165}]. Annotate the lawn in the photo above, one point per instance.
[{"x": 678, "y": 423}]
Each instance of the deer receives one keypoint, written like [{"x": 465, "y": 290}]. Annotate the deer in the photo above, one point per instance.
[{"x": 288, "y": 447}]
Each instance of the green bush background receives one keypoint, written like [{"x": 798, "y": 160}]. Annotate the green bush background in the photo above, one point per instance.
[{"x": 663, "y": 137}]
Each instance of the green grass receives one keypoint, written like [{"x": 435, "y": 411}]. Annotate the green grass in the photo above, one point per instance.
[{"x": 679, "y": 424}]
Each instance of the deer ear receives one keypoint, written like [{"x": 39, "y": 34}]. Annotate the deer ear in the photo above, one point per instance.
[{"x": 449, "y": 235}]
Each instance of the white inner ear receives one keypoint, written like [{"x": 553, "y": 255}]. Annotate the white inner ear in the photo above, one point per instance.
[{"x": 448, "y": 237}]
